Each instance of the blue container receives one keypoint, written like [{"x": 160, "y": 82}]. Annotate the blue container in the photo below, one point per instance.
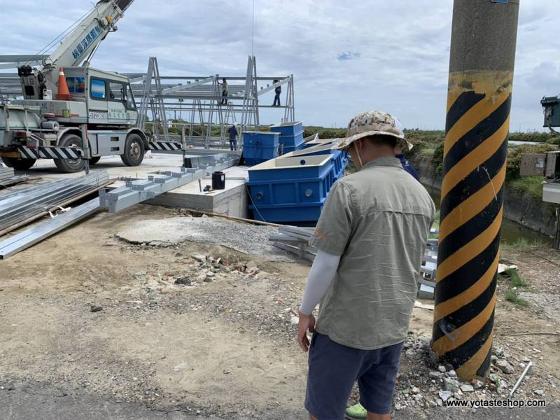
[
  {"x": 291, "y": 136},
  {"x": 259, "y": 147},
  {"x": 288, "y": 129},
  {"x": 291, "y": 190},
  {"x": 339, "y": 157}
]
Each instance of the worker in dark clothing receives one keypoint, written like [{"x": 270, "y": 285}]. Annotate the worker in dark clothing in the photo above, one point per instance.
[
  {"x": 233, "y": 137},
  {"x": 407, "y": 166},
  {"x": 224, "y": 92},
  {"x": 277, "y": 91}
]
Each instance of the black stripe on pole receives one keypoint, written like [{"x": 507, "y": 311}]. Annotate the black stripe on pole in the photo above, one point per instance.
[
  {"x": 465, "y": 313},
  {"x": 471, "y": 229},
  {"x": 464, "y": 102},
  {"x": 465, "y": 351},
  {"x": 485, "y": 367},
  {"x": 478, "y": 135},
  {"x": 467, "y": 275},
  {"x": 476, "y": 180}
]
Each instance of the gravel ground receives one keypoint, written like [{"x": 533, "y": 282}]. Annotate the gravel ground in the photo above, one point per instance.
[{"x": 243, "y": 237}]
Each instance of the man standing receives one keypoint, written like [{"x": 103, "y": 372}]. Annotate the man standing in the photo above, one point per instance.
[
  {"x": 225, "y": 92},
  {"x": 232, "y": 137},
  {"x": 370, "y": 240},
  {"x": 277, "y": 93}
]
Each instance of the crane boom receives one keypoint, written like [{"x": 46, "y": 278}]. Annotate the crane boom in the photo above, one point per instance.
[{"x": 76, "y": 48}]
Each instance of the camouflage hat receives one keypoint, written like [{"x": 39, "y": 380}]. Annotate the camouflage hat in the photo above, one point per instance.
[{"x": 373, "y": 123}]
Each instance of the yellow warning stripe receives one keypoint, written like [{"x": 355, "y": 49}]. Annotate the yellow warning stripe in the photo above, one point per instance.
[
  {"x": 472, "y": 118},
  {"x": 468, "y": 370},
  {"x": 457, "y": 302},
  {"x": 465, "y": 332},
  {"x": 470, "y": 250},
  {"x": 472, "y": 205},
  {"x": 474, "y": 159}
]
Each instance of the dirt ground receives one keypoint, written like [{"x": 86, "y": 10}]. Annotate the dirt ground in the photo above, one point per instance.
[{"x": 201, "y": 328}]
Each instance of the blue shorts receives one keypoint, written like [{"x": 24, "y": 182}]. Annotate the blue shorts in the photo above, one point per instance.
[{"x": 333, "y": 369}]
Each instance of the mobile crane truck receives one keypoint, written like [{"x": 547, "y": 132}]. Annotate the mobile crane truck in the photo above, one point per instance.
[{"x": 48, "y": 125}]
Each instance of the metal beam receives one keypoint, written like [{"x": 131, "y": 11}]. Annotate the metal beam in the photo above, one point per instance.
[
  {"x": 180, "y": 87},
  {"x": 41, "y": 231}
]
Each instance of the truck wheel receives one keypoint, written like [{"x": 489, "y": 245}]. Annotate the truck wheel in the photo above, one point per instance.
[
  {"x": 94, "y": 160},
  {"x": 19, "y": 164},
  {"x": 70, "y": 165},
  {"x": 133, "y": 150}
]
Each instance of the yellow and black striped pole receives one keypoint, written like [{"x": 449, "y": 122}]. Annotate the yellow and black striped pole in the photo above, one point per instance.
[{"x": 479, "y": 101}]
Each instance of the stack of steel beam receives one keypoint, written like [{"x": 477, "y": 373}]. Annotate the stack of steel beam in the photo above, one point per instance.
[
  {"x": 43, "y": 230},
  {"x": 296, "y": 241},
  {"x": 22, "y": 207},
  {"x": 8, "y": 177}
]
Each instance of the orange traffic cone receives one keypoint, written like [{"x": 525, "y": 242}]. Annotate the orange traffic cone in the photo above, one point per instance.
[{"x": 63, "y": 91}]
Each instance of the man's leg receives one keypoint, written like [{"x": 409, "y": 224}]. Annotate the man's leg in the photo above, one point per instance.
[
  {"x": 377, "y": 382},
  {"x": 333, "y": 368}
]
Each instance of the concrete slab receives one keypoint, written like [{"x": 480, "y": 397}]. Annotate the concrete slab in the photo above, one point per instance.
[
  {"x": 231, "y": 201},
  {"x": 247, "y": 238}
]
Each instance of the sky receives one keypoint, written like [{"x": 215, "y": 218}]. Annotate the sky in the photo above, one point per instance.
[{"x": 346, "y": 56}]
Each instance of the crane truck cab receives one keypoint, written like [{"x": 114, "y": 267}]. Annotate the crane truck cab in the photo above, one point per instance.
[{"x": 51, "y": 128}]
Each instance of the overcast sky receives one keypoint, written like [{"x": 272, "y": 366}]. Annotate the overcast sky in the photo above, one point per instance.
[{"x": 346, "y": 56}]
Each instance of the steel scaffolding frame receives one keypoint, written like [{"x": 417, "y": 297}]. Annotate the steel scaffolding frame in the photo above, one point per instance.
[{"x": 200, "y": 98}]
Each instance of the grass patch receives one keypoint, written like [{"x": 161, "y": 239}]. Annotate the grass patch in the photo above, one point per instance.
[
  {"x": 523, "y": 244},
  {"x": 427, "y": 152},
  {"x": 530, "y": 184},
  {"x": 516, "y": 282},
  {"x": 515, "y": 279},
  {"x": 512, "y": 295}
]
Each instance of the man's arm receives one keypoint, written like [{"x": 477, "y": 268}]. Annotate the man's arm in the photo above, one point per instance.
[
  {"x": 330, "y": 238},
  {"x": 320, "y": 278}
]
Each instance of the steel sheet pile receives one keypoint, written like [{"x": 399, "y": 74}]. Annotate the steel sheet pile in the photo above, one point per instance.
[
  {"x": 8, "y": 177},
  {"x": 22, "y": 207}
]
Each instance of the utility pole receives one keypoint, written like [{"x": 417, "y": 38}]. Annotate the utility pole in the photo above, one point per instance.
[{"x": 478, "y": 108}]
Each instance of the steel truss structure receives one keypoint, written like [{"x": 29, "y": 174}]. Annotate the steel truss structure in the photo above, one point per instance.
[{"x": 198, "y": 107}]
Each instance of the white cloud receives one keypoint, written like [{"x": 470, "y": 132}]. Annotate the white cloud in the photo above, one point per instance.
[{"x": 346, "y": 57}]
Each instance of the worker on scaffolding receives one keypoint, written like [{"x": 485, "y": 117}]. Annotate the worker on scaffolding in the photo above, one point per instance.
[
  {"x": 370, "y": 239},
  {"x": 277, "y": 92},
  {"x": 224, "y": 92},
  {"x": 233, "y": 137}
]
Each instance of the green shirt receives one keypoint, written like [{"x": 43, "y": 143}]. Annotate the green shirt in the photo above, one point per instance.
[{"x": 378, "y": 220}]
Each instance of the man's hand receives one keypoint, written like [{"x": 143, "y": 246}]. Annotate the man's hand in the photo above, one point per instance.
[{"x": 306, "y": 323}]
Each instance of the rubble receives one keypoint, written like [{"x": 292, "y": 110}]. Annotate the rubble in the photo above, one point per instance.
[
  {"x": 466, "y": 388},
  {"x": 451, "y": 385},
  {"x": 504, "y": 366},
  {"x": 433, "y": 384}
]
